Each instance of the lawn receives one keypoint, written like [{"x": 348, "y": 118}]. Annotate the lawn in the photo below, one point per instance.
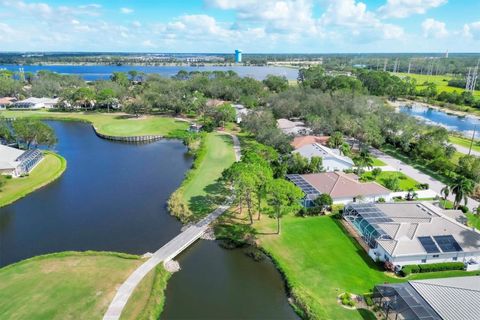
[
  {"x": 148, "y": 297},
  {"x": 440, "y": 80},
  {"x": 49, "y": 169},
  {"x": 115, "y": 124},
  {"x": 378, "y": 163},
  {"x": 464, "y": 142},
  {"x": 201, "y": 192},
  {"x": 320, "y": 261},
  {"x": 65, "y": 285},
  {"x": 405, "y": 183},
  {"x": 474, "y": 220}
]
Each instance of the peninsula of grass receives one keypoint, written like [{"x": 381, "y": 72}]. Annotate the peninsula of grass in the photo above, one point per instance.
[
  {"x": 67, "y": 285},
  {"x": 320, "y": 260},
  {"x": 148, "y": 298},
  {"x": 201, "y": 192},
  {"x": 113, "y": 124},
  {"x": 405, "y": 183},
  {"x": 48, "y": 170}
]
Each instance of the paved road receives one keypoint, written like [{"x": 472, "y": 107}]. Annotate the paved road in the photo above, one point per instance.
[
  {"x": 165, "y": 253},
  {"x": 464, "y": 150},
  {"x": 421, "y": 177}
]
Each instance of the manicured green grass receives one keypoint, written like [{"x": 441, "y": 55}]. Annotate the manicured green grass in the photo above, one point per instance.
[
  {"x": 405, "y": 182},
  {"x": 202, "y": 188},
  {"x": 474, "y": 220},
  {"x": 320, "y": 261},
  {"x": 441, "y": 82},
  {"x": 63, "y": 286},
  {"x": 148, "y": 297},
  {"x": 49, "y": 169},
  {"x": 464, "y": 142},
  {"x": 378, "y": 163},
  {"x": 113, "y": 124}
]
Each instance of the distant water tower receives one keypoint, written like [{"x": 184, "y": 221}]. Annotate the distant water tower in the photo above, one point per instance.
[{"x": 238, "y": 56}]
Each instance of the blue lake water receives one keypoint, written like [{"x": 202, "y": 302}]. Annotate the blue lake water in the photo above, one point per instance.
[
  {"x": 98, "y": 72},
  {"x": 464, "y": 125}
]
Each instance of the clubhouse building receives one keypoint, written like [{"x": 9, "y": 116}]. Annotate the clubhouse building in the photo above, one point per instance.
[
  {"x": 16, "y": 162},
  {"x": 413, "y": 233}
]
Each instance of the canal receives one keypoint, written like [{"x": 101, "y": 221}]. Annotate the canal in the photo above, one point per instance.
[{"x": 112, "y": 197}]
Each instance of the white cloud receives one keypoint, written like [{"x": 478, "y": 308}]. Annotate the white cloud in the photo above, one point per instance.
[
  {"x": 136, "y": 24},
  {"x": 126, "y": 10},
  {"x": 405, "y": 8},
  {"x": 355, "y": 18},
  {"x": 472, "y": 30},
  {"x": 434, "y": 29}
]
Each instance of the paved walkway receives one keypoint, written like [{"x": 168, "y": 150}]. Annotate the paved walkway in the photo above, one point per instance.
[
  {"x": 464, "y": 150},
  {"x": 416, "y": 174},
  {"x": 166, "y": 253}
]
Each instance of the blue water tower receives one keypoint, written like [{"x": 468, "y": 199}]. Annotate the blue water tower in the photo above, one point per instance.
[{"x": 238, "y": 56}]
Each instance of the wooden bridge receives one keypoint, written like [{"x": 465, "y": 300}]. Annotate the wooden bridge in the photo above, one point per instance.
[{"x": 166, "y": 253}]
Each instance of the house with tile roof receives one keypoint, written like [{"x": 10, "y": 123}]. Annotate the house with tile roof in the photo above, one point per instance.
[
  {"x": 455, "y": 298},
  {"x": 332, "y": 160},
  {"x": 301, "y": 141},
  {"x": 413, "y": 233},
  {"x": 342, "y": 187}
]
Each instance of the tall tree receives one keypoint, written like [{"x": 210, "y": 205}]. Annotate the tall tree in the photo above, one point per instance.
[
  {"x": 461, "y": 188},
  {"x": 30, "y": 131},
  {"x": 284, "y": 198}
]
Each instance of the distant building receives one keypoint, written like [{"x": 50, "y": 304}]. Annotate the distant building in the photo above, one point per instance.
[
  {"x": 342, "y": 187},
  {"x": 194, "y": 127},
  {"x": 434, "y": 299},
  {"x": 16, "y": 162},
  {"x": 36, "y": 103},
  {"x": 294, "y": 128},
  {"x": 331, "y": 158},
  {"x": 238, "y": 56},
  {"x": 240, "y": 111},
  {"x": 413, "y": 233},
  {"x": 6, "y": 102}
]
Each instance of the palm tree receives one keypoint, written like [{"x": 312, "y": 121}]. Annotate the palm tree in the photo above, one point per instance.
[
  {"x": 445, "y": 192},
  {"x": 363, "y": 160},
  {"x": 461, "y": 188}
]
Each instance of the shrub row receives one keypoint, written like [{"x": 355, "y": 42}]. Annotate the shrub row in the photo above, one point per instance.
[{"x": 431, "y": 267}]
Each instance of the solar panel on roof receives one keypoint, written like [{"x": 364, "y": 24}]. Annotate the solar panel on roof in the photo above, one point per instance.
[
  {"x": 428, "y": 244},
  {"x": 447, "y": 243}
]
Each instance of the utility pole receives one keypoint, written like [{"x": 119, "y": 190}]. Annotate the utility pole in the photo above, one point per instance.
[
  {"x": 472, "y": 78},
  {"x": 409, "y": 66},
  {"x": 385, "y": 65},
  {"x": 473, "y": 137}
]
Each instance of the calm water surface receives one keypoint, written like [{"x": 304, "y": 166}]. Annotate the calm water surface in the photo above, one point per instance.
[
  {"x": 464, "y": 125},
  {"x": 91, "y": 73},
  {"x": 112, "y": 197}
]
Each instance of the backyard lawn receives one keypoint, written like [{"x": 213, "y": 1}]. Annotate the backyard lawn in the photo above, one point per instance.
[
  {"x": 320, "y": 261},
  {"x": 49, "y": 169},
  {"x": 118, "y": 124},
  {"x": 68, "y": 285},
  {"x": 474, "y": 220},
  {"x": 378, "y": 163},
  {"x": 405, "y": 183}
]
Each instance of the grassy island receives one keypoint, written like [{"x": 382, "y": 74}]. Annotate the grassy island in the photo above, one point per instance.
[
  {"x": 70, "y": 285},
  {"x": 49, "y": 169},
  {"x": 113, "y": 124}
]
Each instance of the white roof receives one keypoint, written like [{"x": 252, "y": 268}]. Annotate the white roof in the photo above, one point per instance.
[
  {"x": 452, "y": 298},
  {"x": 39, "y": 100},
  {"x": 8, "y": 157},
  {"x": 287, "y": 124},
  {"x": 318, "y": 150},
  {"x": 411, "y": 220}
]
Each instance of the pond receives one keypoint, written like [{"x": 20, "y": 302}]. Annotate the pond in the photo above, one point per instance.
[
  {"x": 464, "y": 125},
  {"x": 97, "y": 72},
  {"x": 113, "y": 197}
]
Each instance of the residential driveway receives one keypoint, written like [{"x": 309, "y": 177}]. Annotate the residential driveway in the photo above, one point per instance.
[{"x": 421, "y": 177}]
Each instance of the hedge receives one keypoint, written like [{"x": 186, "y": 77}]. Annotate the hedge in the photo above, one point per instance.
[{"x": 432, "y": 267}]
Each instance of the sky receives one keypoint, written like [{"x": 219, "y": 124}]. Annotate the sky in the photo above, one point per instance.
[{"x": 254, "y": 26}]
